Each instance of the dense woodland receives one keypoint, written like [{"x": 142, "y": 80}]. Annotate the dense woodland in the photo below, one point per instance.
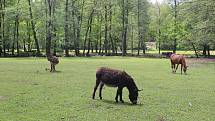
[{"x": 105, "y": 27}]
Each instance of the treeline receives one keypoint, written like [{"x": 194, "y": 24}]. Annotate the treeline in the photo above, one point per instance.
[
  {"x": 184, "y": 25},
  {"x": 104, "y": 27}
]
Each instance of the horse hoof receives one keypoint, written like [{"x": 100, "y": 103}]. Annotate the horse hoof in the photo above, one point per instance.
[
  {"x": 122, "y": 101},
  {"x": 100, "y": 98}
]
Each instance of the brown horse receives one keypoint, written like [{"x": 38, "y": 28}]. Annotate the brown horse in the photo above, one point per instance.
[
  {"x": 178, "y": 59},
  {"x": 53, "y": 61},
  {"x": 116, "y": 78}
]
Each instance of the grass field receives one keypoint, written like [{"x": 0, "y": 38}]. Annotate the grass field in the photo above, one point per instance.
[{"x": 29, "y": 93}]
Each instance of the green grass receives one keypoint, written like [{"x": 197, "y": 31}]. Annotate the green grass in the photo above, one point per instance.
[{"x": 28, "y": 92}]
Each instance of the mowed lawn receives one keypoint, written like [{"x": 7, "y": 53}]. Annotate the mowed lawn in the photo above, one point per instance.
[{"x": 29, "y": 93}]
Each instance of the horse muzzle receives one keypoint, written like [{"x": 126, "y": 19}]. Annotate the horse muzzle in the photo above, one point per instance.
[{"x": 134, "y": 102}]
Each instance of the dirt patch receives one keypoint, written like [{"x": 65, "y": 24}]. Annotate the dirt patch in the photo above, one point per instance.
[
  {"x": 3, "y": 98},
  {"x": 195, "y": 61},
  {"x": 200, "y": 60}
]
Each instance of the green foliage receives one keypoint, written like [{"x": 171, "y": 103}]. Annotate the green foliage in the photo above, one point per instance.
[{"x": 195, "y": 23}]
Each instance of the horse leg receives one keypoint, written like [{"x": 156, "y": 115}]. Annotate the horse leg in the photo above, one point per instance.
[
  {"x": 120, "y": 94},
  {"x": 172, "y": 67},
  {"x": 117, "y": 93},
  {"x": 176, "y": 67},
  {"x": 100, "y": 90},
  {"x": 51, "y": 68},
  {"x": 54, "y": 68},
  {"x": 95, "y": 88},
  {"x": 181, "y": 68}
]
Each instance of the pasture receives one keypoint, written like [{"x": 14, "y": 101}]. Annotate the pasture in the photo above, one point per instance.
[{"x": 29, "y": 93}]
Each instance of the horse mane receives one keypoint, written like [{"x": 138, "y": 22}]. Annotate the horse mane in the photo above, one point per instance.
[
  {"x": 183, "y": 61},
  {"x": 130, "y": 82}
]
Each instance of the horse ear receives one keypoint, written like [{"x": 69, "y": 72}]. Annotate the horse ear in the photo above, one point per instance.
[{"x": 140, "y": 90}]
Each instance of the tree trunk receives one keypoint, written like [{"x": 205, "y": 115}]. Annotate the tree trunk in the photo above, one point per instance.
[
  {"x": 97, "y": 35},
  {"x": 24, "y": 45},
  {"x": 139, "y": 27},
  {"x": 106, "y": 32},
  {"x": 17, "y": 30},
  {"x": 88, "y": 28},
  {"x": 54, "y": 30},
  {"x": 194, "y": 48},
  {"x": 3, "y": 26},
  {"x": 125, "y": 26},
  {"x": 138, "y": 51},
  {"x": 66, "y": 29},
  {"x": 74, "y": 29},
  {"x": 159, "y": 25},
  {"x": 204, "y": 50},
  {"x": 49, "y": 25},
  {"x": 89, "y": 39},
  {"x": 29, "y": 37},
  {"x": 33, "y": 28},
  {"x": 79, "y": 19},
  {"x": 17, "y": 34},
  {"x": 92, "y": 49},
  {"x": 208, "y": 50},
  {"x": 1, "y": 39},
  {"x": 175, "y": 24},
  {"x": 100, "y": 36},
  {"x": 14, "y": 38},
  {"x": 143, "y": 47},
  {"x": 132, "y": 40},
  {"x": 110, "y": 28}
]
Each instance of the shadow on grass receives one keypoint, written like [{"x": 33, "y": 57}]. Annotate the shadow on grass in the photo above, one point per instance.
[
  {"x": 181, "y": 74},
  {"x": 54, "y": 71},
  {"x": 119, "y": 103}
]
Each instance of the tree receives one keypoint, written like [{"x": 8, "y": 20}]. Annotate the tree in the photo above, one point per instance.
[
  {"x": 49, "y": 19},
  {"x": 33, "y": 28},
  {"x": 159, "y": 26},
  {"x": 142, "y": 24},
  {"x": 3, "y": 4},
  {"x": 1, "y": 38},
  {"x": 124, "y": 26},
  {"x": 89, "y": 28},
  {"x": 66, "y": 29}
]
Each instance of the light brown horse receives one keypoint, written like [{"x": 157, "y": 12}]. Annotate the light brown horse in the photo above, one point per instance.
[{"x": 178, "y": 59}]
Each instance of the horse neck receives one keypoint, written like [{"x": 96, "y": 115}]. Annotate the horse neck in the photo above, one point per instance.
[
  {"x": 131, "y": 85},
  {"x": 184, "y": 62}
]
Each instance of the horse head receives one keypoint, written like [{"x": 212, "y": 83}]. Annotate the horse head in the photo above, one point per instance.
[
  {"x": 133, "y": 91},
  {"x": 133, "y": 95},
  {"x": 185, "y": 69}
]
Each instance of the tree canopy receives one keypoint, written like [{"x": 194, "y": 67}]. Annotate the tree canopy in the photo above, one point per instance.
[{"x": 105, "y": 27}]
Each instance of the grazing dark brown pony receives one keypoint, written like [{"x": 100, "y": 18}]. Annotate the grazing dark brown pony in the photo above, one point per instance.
[
  {"x": 178, "y": 59},
  {"x": 116, "y": 78},
  {"x": 53, "y": 61}
]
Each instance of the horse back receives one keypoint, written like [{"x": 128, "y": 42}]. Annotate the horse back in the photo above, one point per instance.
[
  {"x": 177, "y": 59},
  {"x": 111, "y": 77}
]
